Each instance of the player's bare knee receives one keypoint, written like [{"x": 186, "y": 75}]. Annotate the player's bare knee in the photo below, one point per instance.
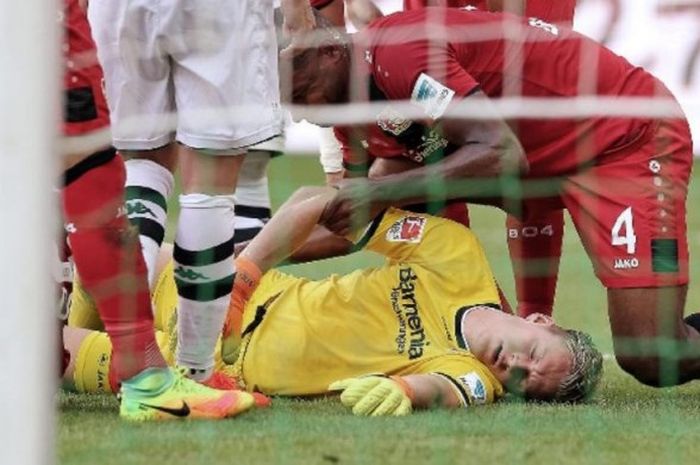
[
  {"x": 643, "y": 369},
  {"x": 210, "y": 171},
  {"x": 254, "y": 167},
  {"x": 165, "y": 156}
]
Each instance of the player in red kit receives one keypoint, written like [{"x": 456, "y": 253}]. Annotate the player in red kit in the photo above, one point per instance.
[
  {"x": 553, "y": 11},
  {"x": 107, "y": 254},
  {"x": 624, "y": 180},
  {"x": 534, "y": 245},
  {"x": 360, "y": 13}
]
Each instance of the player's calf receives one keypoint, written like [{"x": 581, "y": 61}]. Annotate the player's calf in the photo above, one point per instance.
[
  {"x": 148, "y": 186},
  {"x": 108, "y": 258},
  {"x": 652, "y": 342},
  {"x": 252, "y": 196},
  {"x": 204, "y": 271}
]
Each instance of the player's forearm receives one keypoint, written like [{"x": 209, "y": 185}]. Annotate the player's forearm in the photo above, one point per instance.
[
  {"x": 289, "y": 6},
  {"x": 490, "y": 157},
  {"x": 461, "y": 176},
  {"x": 289, "y": 228},
  {"x": 321, "y": 244},
  {"x": 431, "y": 391},
  {"x": 362, "y": 12},
  {"x": 298, "y": 17}
]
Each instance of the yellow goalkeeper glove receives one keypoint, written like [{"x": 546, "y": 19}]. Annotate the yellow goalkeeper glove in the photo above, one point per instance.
[{"x": 375, "y": 395}]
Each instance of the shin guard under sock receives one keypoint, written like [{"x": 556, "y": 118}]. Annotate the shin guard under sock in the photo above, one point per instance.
[
  {"x": 252, "y": 196},
  {"x": 148, "y": 186},
  {"x": 204, "y": 270}
]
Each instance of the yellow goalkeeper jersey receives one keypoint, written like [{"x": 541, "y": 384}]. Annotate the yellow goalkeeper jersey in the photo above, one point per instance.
[{"x": 398, "y": 319}]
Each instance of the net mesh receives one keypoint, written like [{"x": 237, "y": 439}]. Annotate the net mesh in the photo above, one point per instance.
[{"x": 658, "y": 35}]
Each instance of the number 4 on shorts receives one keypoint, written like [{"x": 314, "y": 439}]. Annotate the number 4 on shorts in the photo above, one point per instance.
[{"x": 628, "y": 238}]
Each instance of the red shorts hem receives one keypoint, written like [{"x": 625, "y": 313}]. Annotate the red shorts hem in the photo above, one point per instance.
[{"x": 623, "y": 283}]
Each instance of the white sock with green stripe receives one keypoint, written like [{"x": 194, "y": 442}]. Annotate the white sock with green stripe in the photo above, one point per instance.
[
  {"x": 252, "y": 196},
  {"x": 204, "y": 270},
  {"x": 148, "y": 186}
]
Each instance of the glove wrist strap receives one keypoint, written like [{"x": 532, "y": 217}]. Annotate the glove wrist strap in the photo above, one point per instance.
[{"x": 405, "y": 387}]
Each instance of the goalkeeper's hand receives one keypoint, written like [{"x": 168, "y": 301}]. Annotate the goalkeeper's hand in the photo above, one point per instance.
[{"x": 375, "y": 395}]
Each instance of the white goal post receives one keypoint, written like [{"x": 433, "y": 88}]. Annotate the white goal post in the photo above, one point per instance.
[{"x": 29, "y": 115}]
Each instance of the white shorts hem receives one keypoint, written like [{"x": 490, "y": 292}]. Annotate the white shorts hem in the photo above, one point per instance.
[
  {"x": 211, "y": 143},
  {"x": 143, "y": 144}
]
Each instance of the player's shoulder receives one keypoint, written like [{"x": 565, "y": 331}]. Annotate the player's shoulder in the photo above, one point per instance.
[{"x": 397, "y": 225}]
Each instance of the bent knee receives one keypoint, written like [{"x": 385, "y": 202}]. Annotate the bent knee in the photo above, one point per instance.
[{"x": 651, "y": 371}]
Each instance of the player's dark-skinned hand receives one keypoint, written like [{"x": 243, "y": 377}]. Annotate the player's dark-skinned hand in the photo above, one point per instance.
[{"x": 351, "y": 208}]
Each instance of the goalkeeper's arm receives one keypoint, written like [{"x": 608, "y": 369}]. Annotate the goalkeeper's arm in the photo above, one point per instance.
[
  {"x": 287, "y": 230},
  {"x": 377, "y": 395},
  {"x": 289, "y": 227},
  {"x": 431, "y": 391}
]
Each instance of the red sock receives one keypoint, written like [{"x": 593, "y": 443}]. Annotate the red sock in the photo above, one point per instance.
[
  {"x": 107, "y": 256},
  {"x": 535, "y": 249}
]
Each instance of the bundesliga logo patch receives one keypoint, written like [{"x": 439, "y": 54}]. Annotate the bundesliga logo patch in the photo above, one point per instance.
[
  {"x": 475, "y": 387},
  {"x": 407, "y": 229},
  {"x": 431, "y": 96}
]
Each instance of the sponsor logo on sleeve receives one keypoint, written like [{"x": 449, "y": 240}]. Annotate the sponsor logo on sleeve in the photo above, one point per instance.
[
  {"x": 475, "y": 387},
  {"x": 430, "y": 144},
  {"x": 407, "y": 229},
  {"x": 431, "y": 96},
  {"x": 392, "y": 121}
]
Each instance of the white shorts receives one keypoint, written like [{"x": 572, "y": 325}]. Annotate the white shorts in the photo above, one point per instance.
[
  {"x": 275, "y": 145},
  {"x": 202, "y": 72}
]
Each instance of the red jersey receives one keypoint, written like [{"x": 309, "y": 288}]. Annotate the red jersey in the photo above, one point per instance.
[
  {"x": 553, "y": 11},
  {"x": 85, "y": 105},
  {"x": 405, "y": 66},
  {"x": 559, "y": 11}
]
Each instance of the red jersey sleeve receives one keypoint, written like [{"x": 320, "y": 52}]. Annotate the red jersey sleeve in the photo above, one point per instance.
[
  {"x": 427, "y": 74},
  {"x": 560, "y": 11}
]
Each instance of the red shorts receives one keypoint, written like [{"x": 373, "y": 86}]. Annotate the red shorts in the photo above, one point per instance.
[
  {"x": 85, "y": 107},
  {"x": 630, "y": 210}
]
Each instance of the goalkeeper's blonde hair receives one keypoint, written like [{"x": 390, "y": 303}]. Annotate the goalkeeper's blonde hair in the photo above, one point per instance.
[{"x": 586, "y": 368}]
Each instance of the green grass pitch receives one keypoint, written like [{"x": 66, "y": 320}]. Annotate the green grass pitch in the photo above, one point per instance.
[{"x": 625, "y": 423}]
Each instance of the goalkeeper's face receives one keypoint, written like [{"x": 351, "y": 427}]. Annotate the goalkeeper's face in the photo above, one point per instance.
[{"x": 529, "y": 356}]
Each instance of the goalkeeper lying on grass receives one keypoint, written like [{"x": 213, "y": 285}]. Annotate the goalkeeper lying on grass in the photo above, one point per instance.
[{"x": 423, "y": 330}]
